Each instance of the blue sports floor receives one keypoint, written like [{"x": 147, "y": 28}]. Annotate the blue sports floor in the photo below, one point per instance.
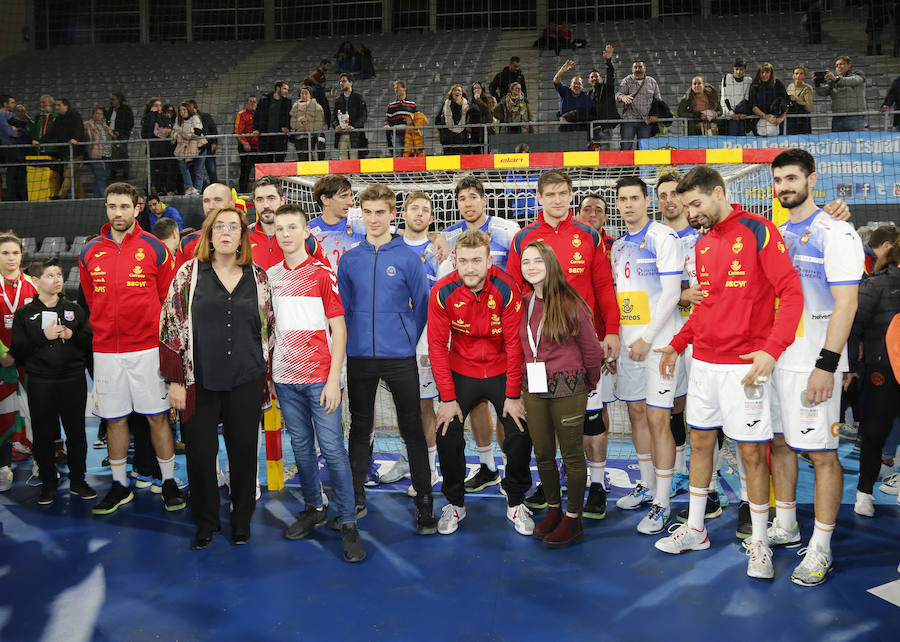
[{"x": 67, "y": 575}]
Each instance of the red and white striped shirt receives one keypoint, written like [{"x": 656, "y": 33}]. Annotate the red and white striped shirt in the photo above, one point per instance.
[{"x": 304, "y": 299}]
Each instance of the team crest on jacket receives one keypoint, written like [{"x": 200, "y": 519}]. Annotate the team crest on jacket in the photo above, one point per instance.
[
  {"x": 576, "y": 242},
  {"x": 781, "y": 247},
  {"x": 738, "y": 246},
  {"x": 491, "y": 303},
  {"x": 69, "y": 315},
  {"x": 391, "y": 270},
  {"x": 139, "y": 255}
]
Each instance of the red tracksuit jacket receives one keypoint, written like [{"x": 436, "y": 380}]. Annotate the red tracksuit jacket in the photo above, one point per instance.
[
  {"x": 481, "y": 329},
  {"x": 742, "y": 266},
  {"x": 124, "y": 286},
  {"x": 266, "y": 251}
]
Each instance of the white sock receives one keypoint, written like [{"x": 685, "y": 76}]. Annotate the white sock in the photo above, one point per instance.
[
  {"x": 742, "y": 475},
  {"x": 645, "y": 467},
  {"x": 759, "y": 519},
  {"x": 663, "y": 487},
  {"x": 680, "y": 464},
  {"x": 786, "y": 514},
  {"x": 697, "y": 508},
  {"x": 167, "y": 467},
  {"x": 821, "y": 537},
  {"x": 432, "y": 461},
  {"x": 597, "y": 470},
  {"x": 486, "y": 457},
  {"x": 119, "y": 472}
]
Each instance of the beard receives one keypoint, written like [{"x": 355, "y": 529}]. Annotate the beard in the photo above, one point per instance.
[{"x": 794, "y": 199}]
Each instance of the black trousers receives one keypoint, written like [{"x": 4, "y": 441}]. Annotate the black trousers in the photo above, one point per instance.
[
  {"x": 248, "y": 162},
  {"x": 402, "y": 377},
  {"x": 145, "y": 461},
  {"x": 49, "y": 402},
  {"x": 452, "y": 446},
  {"x": 240, "y": 410},
  {"x": 882, "y": 400}
]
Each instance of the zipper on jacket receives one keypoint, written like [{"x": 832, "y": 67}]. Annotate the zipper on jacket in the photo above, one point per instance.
[
  {"x": 403, "y": 325},
  {"x": 374, "y": 273}
]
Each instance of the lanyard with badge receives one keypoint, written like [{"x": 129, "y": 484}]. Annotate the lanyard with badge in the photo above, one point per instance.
[
  {"x": 13, "y": 305},
  {"x": 535, "y": 370}
]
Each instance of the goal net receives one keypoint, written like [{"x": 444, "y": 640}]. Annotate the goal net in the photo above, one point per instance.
[{"x": 510, "y": 182}]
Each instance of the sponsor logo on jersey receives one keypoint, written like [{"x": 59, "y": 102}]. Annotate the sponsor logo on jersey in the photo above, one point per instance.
[
  {"x": 738, "y": 246},
  {"x": 835, "y": 429},
  {"x": 495, "y": 319},
  {"x": 137, "y": 269},
  {"x": 459, "y": 304},
  {"x": 99, "y": 254},
  {"x": 518, "y": 306},
  {"x": 704, "y": 250}
]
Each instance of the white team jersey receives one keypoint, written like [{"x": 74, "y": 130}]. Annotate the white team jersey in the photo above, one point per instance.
[
  {"x": 825, "y": 253},
  {"x": 689, "y": 237},
  {"x": 638, "y": 262},
  {"x": 501, "y": 231}
]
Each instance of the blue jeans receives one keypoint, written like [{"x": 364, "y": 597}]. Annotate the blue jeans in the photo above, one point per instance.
[
  {"x": 306, "y": 421},
  {"x": 195, "y": 177},
  {"x": 632, "y": 128},
  {"x": 98, "y": 167},
  {"x": 209, "y": 162},
  {"x": 848, "y": 123},
  {"x": 737, "y": 127}
]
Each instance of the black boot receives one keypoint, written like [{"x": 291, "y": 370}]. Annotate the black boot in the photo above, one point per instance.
[{"x": 426, "y": 523}]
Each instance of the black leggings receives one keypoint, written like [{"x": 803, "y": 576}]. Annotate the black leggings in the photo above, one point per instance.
[
  {"x": 882, "y": 399},
  {"x": 49, "y": 402}
]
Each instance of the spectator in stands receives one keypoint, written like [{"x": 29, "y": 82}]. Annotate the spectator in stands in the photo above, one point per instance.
[
  {"x": 46, "y": 117},
  {"x": 701, "y": 105},
  {"x": 173, "y": 176},
  {"x": 273, "y": 120},
  {"x": 637, "y": 92},
  {"x": 878, "y": 14},
  {"x": 166, "y": 230},
  {"x": 800, "y": 96},
  {"x": 395, "y": 116},
  {"x": 511, "y": 73},
  {"x": 13, "y": 131},
  {"x": 120, "y": 118},
  {"x": 248, "y": 143},
  {"x": 363, "y": 63},
  {"x": 208, "y": 151},
  {"x": 574, "y": 105},
  {"x": 343, "y": 59},
  {"x": 316, "y": 79},
  {"x": 156, "y": 210},
  {"x": 451, "y": 118},
  {"x": 67, "y": 131},
  {"x": 847, "y": 89},
  {"x": 486, "y": 105},
  {"x": 413, "y": 139},
  {"x": 603, "y": 98},
  {"x": 768, "y": 99},
  {"x": 734, "y": 94},
  {"x": 189, "y": 139},
  {"x": 892, "y": 99},
  {"x": 99, "y": 153},
  {"x": 308, "y": 119},
  {"x": 153, "y": 128},
  {"x": 514, "y": 108},
  {"x": 350, "y": 114},
  {"x": 813, "y": 18}
]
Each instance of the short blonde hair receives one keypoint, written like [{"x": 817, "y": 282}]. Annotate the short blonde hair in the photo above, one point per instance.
[
  {"x": 417, "y": 196},
  {"x": 474, "y": 239}
]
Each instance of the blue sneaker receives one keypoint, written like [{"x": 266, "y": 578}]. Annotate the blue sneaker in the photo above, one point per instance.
[
  {"x": 655, "y": 521},
  {"x": 680, "y": 483},
  {"x": 372, "y": 474},
  {"x": 146, "y": 481},
  {"x": 157, "y": 486}
]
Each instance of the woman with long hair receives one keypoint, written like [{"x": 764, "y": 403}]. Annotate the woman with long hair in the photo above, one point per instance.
[
  {"x": 215, "y": 340},
  {"x": 701, "y": 104},
  {"x": 189, "y": 139},
  {"x": 514, "y": 108},
  {"x": 453, "y": 116},
  {"x": 486, "y": 105},
  {"x": 155, "y": 128},
  {"x": 563, "y": 358},
  {"x": 769, "y": 101},
  {"x": 307, "y": 118}
]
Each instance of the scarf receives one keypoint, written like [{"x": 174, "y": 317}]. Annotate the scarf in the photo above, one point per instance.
[
  {"x": 515, "y": 108},
  {"x": 448, "y": 115}
]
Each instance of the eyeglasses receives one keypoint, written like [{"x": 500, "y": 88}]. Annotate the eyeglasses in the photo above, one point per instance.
[{"x": 221, "y": 227}]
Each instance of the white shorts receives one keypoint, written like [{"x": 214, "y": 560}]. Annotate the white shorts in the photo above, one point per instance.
[
  {"x": 427, "y": 386},
  {"x": 804, "y": 428},
  {"x": 604, "y": 393},
  {"x": 683, "y": 371},
  {"x": 129, "y": 382},
  {"x": 717, "y": 399},
  {"x": 641, "y": 381}
]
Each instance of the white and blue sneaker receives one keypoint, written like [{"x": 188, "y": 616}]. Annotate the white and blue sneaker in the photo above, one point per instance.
[
  {"x": 397, "y": 471},
  {"x": 655, "y": 520},
  {"x": 680, "y": 483},
  {"x": 639, "y": 495}
]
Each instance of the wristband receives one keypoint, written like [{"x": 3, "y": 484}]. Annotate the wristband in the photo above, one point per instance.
[{"x": 828, "y": 360}]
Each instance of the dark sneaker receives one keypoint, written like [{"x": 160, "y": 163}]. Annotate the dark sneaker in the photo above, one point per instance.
[
  {"x": 309, "y": 520},
  {"x": 354, "y": 551},
  {"x": 47, "y": 494},
  {"x": 361, "y": 511},
  {"x": 482, "y": 479},
  {"x": 117, "y": 496},
  {"x": 82, "y": 489},
  {"x": 172, "y": 495},
  {"x": 426, "y": 523},
  {"x": 595, "y": 506},
  {"x": 536, "y": 500},
  {"x": 745, "y": 526},
  {"x": 713, "y": 509}
]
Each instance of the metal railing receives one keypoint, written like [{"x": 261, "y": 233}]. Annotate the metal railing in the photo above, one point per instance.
[{"x": 62, "y": 164}]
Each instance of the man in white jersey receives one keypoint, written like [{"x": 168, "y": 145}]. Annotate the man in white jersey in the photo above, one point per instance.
[
  {"x": 417, "y": 214},
  {"x": 806, "y": 398},
  {"x": 647, "y": 262},
  {"x": 471, "y": 201}
]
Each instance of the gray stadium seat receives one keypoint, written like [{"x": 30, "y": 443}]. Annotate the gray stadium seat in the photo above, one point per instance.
[{"x": 52, "y": 246}]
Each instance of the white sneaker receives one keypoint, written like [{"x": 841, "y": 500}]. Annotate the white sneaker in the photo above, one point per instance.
[
  {"x": 435, "y": 478},
  {"x": 398, "y": 470},
  {"x": 221, "y": 479},
  {"x": 654, "y": 521},
  {"x": 814, "y": 568},
  {"x": 520, "y": 516},
  {"x": 640, "y": 494},
  {"x": 885, "y": 471},
  {"x": 683, "y": 538},
  {"x": 450, "y": 518},
  {"x": 760, "y": 563},
  {"x": 6, "y": 478},
  {"x": 865, "y": 504},
  {"x": 891, "y": 485},
  {"x": 778, "y": 535}
]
